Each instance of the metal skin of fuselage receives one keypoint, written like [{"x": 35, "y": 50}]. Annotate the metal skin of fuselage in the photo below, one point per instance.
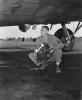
[{"x": 17, "y": 12}]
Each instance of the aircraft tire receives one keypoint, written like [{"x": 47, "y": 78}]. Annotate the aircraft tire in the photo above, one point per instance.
[{"x": 59, "y": 34}]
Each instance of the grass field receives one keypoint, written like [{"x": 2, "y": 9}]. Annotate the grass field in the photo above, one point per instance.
[
  {"x": 17, "y": 82},
  {"x": 16, "y": 45},
  {"x": 20, "y": 46}
]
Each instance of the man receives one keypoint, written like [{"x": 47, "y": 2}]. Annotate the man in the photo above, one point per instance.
[{"x": 54, "y": 43}]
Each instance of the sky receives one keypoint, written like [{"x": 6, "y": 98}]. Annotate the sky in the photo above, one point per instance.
[{"x": 13, "y": 31}]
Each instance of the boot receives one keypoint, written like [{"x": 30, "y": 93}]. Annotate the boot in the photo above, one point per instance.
[
  {"x": 58, "y": 70},
  {"x": 43, "y": 66}
]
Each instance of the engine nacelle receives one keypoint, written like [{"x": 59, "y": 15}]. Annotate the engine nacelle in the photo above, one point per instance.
[{"x": 24, "y": 27}]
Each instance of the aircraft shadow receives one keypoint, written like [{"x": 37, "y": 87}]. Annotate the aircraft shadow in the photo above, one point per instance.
[{"x": 18, "y": 82}]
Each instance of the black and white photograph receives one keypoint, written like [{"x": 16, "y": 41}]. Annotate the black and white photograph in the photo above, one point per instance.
[{"x": 40, "y": 49}]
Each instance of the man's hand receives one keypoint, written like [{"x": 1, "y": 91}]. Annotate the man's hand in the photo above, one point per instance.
[
  {"x": 51, "y": 50},
  {"x": 35, "y": 54}
]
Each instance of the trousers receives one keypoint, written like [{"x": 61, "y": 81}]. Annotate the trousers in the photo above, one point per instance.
[{"x": 56, "y": 57}]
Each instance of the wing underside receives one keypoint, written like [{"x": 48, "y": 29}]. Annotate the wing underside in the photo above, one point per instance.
[{"x": 14, "y": 12}]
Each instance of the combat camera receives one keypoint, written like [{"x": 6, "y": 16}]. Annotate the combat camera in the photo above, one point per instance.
[{"x": 43, "y": 53}]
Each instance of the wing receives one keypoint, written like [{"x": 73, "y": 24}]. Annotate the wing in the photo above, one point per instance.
[{"x": 15, "y": 12}]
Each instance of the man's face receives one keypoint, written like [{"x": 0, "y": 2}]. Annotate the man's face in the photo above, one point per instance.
[{"x": 44, "y": 31}]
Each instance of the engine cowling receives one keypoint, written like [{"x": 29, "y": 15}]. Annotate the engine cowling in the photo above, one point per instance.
[{"x": 24, "y": 27}]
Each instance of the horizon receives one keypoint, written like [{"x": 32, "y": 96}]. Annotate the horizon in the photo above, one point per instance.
[{"x": 14, "y": 32}]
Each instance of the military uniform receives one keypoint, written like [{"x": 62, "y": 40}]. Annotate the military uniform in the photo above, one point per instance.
[{"x": 53, "y": 42}]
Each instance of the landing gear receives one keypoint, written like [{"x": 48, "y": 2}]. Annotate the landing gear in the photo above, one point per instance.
[{"x": 66, "y": 36}]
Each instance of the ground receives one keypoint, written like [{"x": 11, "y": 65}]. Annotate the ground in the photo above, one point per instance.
[{"x": 17, "y": 82}]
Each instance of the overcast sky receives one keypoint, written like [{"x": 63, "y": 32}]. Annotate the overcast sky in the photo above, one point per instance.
[{"x": 14, "y": 31}]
